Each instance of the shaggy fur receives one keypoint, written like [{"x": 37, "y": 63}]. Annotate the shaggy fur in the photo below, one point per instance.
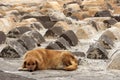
[{"x": 42, "y": 59}]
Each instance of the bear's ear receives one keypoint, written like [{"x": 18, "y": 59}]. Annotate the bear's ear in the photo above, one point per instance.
[{"x": 37, "y": 64}]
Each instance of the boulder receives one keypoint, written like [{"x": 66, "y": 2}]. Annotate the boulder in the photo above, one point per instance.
[
  {"x": 104, "y": 13},
  {"x": 92, "y": 2},
  {"x": 73, "y": 6},
  {"x": 36, "y": 36},
  {"x": 7, "y": 23},
  {"x": 82, "y": 33},
  {"x": 64, "y": 25},
  {"x": 2, "y": 37},
  {"x": 56, "y": 15},
  {"x": 46, "y": 21},
  {"x": 71, "y": 37},
  {"x": 27, "y": 41},
  {"x": 18, "y": 31},
  {"x": 54, "y": 5},
  {"x": 106, "y": 42},
  {"x": 87, "y": 4},
  {"x": 116, "y": 18},
  {"x": 70, "y": 8},
  {"x": 96, "y": 51},
  {"x": 115, "y": 60},
  {"x": 37, "y": 26},
  {"x": 62, "y": 43},
  {"x": 85, "y": 32},
  {"x": 54, "y": 32},
  {"x": 110, "y": 22},
  {"x": 57, "y": 30},
  {"x": 113, "y": 33},
  {"x": 50, "y": 34},
  {"x": 13, "y": 49},
  {"x": 29, "y": 15},
  {"x": 80, "y": 15},
  {"x": 53, "y": 45}
]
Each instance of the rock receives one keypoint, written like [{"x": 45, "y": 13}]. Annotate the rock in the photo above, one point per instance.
[
  {"x": 56, "y": 16},
  {"x": 85, "y": 32},
  {"x": 92, "y": 3},
  {"x": 27, "y": 41},
  {"x": 50, "y": 34},
  {"x": 9, "y": 76},
  {"x": 115, "y": 60},
  {"x": 54, "y": 5},
  {"x": 18, "y": 31},
  {"x": 36, "y": 36},
  {"x": 30, "y": 15},
  {"x": 54, "y": 46},
  {"x": 74, "y": 6},
  {"x": 97, "y": 19},
  {"x": 113, "y": 33},
  {"x": 71, "y": 37},
  {"x": 104, "y": 13},
  {"x": 62, "y": 43},
  {"x": 37, "y": 26},
  {"x": 82, "y": 33},
  {"x": 101, "y": 26},
  {"x": 2, "y": 37},
  {"x": 106, "y": 42},
  {"x": 71, "y": 8},
  {"x": 14, "y": 14},
  {"x": 80, "y": 15},
  {"x": 96, "y": 51},
  {"x": 64, "y": 25},
  {"x": 110, "y": 22},
  {"x": 57, "y": 29},
  {"x": 13, "y": 50},
  {"x": 117, "y": 18},
  {"x": 54, "y": 32},
  {"x": 46, "y": 22},
  {"x": 7, "y": 23},
  {"x": 109, "y": 34},
  {"x": 9, "y": 52},
  {"x": 28, "y": 21}
]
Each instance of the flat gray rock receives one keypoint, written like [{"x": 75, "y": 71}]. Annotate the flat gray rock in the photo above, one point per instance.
[
  {"x": 9, "y": 76},
  {"x": 2, "y": 37}
]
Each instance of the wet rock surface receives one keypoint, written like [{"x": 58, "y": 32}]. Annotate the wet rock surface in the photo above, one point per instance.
[
  {"x": 2, "y": 37},
  {"x": 9, "y": 76}
]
